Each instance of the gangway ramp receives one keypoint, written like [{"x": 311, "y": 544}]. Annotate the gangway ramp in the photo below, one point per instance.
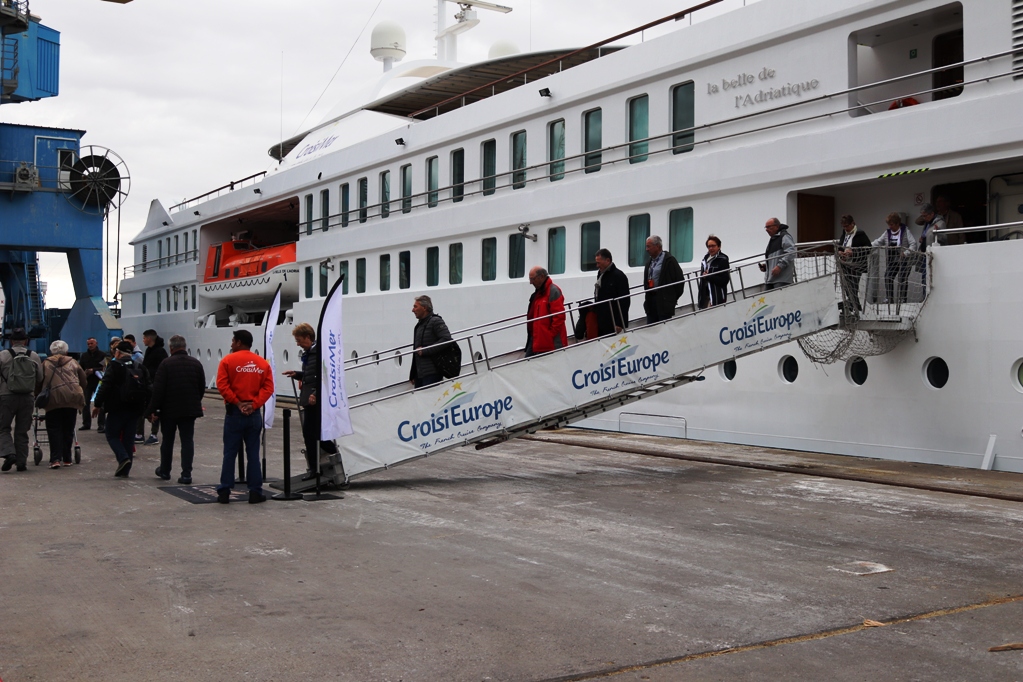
[{"x": 503, "y": 396}]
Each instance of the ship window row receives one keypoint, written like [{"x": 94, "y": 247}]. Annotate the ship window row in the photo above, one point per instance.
[
  {"x": 680, "y": 231},
  {"x": 179, "y": 248},
  {"x": 681, "y": 118},
  {"x": 172, "y": 299}
]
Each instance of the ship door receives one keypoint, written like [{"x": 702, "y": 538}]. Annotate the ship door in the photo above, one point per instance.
[
  {"x": 969, "y": 200},
  {"x": 815, "y": 218},
  {"x": 1007, "y": 203}
]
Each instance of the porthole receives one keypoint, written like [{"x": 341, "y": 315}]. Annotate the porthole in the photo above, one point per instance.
[
  {"x": 856, "y": 371},
  {"x": 936, "y": 372},
  {"x": 285, "y": 355},
  {"x": 727, "y": 370},
  {"x": 397, "y": 358},
  {"x": 478, "y": 356},
  {"x": 788, "y": 369},
  {"x": 1017, "y": 375},
  {"x": 355, "y": 356},
  {"x": 376, "y": 357}
]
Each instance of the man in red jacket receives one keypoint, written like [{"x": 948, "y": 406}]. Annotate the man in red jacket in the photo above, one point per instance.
[
  {"x": 245, "y": 382},
  {"x": 547, "y": 334}
]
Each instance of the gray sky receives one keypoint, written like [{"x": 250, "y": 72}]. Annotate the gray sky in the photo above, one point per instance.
[{"x": 189, "y": 92}]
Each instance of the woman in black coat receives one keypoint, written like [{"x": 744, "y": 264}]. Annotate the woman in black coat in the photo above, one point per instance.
[{"x": 714, "y": 275}]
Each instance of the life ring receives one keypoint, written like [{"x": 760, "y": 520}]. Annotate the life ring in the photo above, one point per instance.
[{"x": 904, "y": 102}]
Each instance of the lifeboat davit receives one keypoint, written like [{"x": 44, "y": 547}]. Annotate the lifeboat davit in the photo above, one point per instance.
[{"x": 246, "y": 274}]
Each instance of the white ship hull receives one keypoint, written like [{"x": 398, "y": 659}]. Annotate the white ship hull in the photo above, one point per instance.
[{"x": 739, "y": 173}]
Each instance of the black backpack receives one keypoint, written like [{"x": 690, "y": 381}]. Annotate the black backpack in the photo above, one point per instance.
[
  {"x": 136, "y": 388},
  {"x": 449, "y": 360}
]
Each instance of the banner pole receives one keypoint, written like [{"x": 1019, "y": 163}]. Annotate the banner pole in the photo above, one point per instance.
[{"x": 263, "y": 415}]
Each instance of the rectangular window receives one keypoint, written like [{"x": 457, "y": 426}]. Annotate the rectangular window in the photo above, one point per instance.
[
  {"x": 589, "y": 245},
  {"x": 193, "y": 297},
  {"x": 385, "y": 272},
  {"x": 195, "y": 244},
  {"x": 344, "y": 205},
  {"x": 489, "y": 264},
  {"x": 639, "y": 230},
  {"x": 343, "y": 271},
  {"x": 592, "y": 140},
  {"x": 363, "y": 199},
  {"x": 324, "y": 209},
  {"x": 516, "y": 256},
  {"x": 489, "y": 149},
  {"x": 639, "y": 128},
  {"x": 186, "y": 247},
  {"x": 683, "y": 117},
  {"x": 309, "y": 281},
  {"x": 143, "y": 303},
  {"x": 159, "y": 253},
  {"x": 216, "y": 261},
  {"x": 432, "y": 181},
  {"x": 406, "y": 188},
  {"x": 159, "y": 302},
  {"x": 556, "y": 148},
  {"x": 168, "y": 263},
  {"x": 432, "y": 266},
  {"x": 404, "y": 269},
  {"x": 455, "y": 263},
  {"x": 457, "y": 175},
  {"x": 680, "y": 234},
  {"x": 309, "y": 214},
  {"x": 518, "y": 141},
  {"x": 184, "y": 297},
  {"x": 168, "y": 300},
  {"x": 176, "y": 292},
  {"x": 360, "y": 275},
  {"x": 556, "y": 250},
  {"x": 177, "y": 249},
  {"x": 385, "y": 194},
  {"x": 323, "y": 279}
]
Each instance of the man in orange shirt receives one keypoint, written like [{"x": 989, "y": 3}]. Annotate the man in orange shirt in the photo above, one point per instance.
[{"x": 245, "y": 382}]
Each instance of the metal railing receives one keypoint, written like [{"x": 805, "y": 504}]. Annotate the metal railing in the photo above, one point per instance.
[
  {"x": 212, "y": 194},
  {"x": 163, "y": 262}
]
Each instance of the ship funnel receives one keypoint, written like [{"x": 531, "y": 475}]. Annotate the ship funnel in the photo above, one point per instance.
[{"x": 387, "y": 43}]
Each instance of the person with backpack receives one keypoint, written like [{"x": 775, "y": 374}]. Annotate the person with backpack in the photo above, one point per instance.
[
  {"x": 154, "y": 355},
  {"x": 430, "y": 330},
  {"x": 66, "y": 383},
  {"x": 21, "y": 377},
  {"x": 124, "y": 393}
]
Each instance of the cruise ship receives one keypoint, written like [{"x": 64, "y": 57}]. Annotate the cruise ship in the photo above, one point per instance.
[{"x": 452, "y": 180}]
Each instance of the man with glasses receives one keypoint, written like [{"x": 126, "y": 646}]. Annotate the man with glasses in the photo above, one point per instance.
[{"x": 780, "y": 255}]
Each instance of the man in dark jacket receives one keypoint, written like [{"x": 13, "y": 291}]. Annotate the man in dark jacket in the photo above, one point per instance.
[
  {"x": 177, "y": 402},
  {"x": 611, "y": 284},
  {"x": 155, "y": 354},
  {"x": 122, "y": 411},
  {"x": 93, "y": 360},
  {"x": 661, "y": 270},
  {"x": 309, "y": 378},
  {"x": 430, "y": 330},
  {"x": 853, "y": 251}
]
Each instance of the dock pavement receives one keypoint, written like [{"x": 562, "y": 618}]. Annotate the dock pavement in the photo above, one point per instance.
[{"x": 569, "y": 555}]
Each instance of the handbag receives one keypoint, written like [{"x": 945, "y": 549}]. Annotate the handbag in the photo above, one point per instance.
[
  {"x": 449, "y": 361},
  {"x": 43, "y": 399}
]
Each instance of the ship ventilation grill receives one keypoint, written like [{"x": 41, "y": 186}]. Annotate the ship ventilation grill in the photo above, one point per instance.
[{"x": 1017, "y": 37}]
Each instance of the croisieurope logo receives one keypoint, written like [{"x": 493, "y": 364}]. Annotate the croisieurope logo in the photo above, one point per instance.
[
  {"x": 760, "y": 320},
  {"x": 454, "y": 411},
  {"x": 621, "y": 360}
]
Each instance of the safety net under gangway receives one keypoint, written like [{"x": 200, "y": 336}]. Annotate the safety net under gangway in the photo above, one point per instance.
[{"x": 502, "y": 394}]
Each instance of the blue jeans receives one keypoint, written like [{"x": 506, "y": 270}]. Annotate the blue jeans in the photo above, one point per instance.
[
  {"x": 120, "y": 433},
  {"x": 239, "y": 429}
]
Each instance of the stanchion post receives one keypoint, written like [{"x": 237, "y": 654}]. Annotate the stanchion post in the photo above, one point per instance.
[{"x": 286, "y": 429}]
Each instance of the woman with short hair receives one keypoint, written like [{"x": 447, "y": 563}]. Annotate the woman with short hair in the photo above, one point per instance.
[
  {"x": 714, "y": 275},
  {"x": 67, "y": 383}
]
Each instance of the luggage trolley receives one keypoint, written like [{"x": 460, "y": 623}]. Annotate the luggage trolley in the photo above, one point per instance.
[{"x": 39, "y": 438}]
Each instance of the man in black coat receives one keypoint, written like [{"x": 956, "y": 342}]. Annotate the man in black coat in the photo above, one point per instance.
[
  {"x": 853, "y": 250},
  {"x": 662, "y": 269},
  {"x": 93, "y": 360},
  {"x": 177, "y": 402},
  {"x": 155, "y": 354},
  {"x": 611, "y": 284},
  {"x": 312, "y": 415},
  {"x": 430, "y": 330}
]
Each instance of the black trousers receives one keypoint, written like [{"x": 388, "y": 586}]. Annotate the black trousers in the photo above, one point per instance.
[
  {"x": 60, "y": 430},
  {"x": 311, "y": 437},
  {"x": 185, "y": 427}
]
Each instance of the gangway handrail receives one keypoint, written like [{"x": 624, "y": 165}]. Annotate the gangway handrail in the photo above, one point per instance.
[{"x": 979, "y": 228}]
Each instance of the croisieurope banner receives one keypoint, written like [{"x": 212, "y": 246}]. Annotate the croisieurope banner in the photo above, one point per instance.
[
  {"x": 333, "y": 398},
  {"x": 269, "y": 324}
]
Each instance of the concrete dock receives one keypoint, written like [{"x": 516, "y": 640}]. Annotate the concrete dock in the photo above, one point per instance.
[{"x": 566, "y": 556}]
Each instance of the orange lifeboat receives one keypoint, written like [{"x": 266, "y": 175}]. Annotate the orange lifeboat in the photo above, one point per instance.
[{"x": 247, "y": 274}]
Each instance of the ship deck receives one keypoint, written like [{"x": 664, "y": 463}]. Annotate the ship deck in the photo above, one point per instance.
[{"x": 571, "y": 555}]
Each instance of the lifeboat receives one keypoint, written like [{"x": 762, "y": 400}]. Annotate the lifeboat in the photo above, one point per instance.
[{"x": 246, "y": 274}]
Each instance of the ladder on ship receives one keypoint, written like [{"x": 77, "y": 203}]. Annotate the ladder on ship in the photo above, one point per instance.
[{"x": 505, "y": 395}]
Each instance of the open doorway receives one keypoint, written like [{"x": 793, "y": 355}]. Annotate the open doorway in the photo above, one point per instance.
[
  {"x": 815, "y": 218},
  {"x": 967, "y": 200}
]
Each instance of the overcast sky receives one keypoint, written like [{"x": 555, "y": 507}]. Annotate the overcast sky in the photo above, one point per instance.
[{"x": 189, "y": 92}]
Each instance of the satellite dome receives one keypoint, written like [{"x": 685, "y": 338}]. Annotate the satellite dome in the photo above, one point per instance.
[
  {"x": 503, "y": 48},
  {"x": 387, "y": 41}
]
